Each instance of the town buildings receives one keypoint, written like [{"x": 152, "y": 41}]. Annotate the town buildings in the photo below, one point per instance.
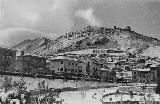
[
  {"x": 110, "y": 52},
  {"x": 82, "y": 67},
  {"x": 107, "y": 74},
  {"x": 155, "y": 73},
  {"x": 124, "y": 74},
  {"x": 146, "y": 75},
  {"x": 8, "y": 57},
  {"x": 31, "y": 64},
  {"x": 93, "y": 67},
  {"x": 138, "y": 70},
  {"x": 63, "y": 64},
  {"x": 141, "y": 75}
]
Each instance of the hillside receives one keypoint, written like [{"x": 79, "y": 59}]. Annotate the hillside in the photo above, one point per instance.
[{"x": 88, "y": 38}]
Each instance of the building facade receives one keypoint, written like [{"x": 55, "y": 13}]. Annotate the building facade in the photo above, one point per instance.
[
  {"x": 82, "y": 67},
  {"x": 107, "y": 74},
  {"x": 93, "y": 67},
  {"x": 8, "y": 57},
  {"x": 31, "y": 64},
  {"x": 141, "y": 75},
  {"x": 146, "y": 75},
  {"x": 63, "y": 64},
  {"x": 155, "y": 72}
]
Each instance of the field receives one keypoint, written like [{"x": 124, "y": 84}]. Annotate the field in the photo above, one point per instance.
[{"x": 32, "y": 83}]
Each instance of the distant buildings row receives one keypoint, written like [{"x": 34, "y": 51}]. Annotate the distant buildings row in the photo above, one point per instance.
[
  {"x": 7, "y": 59},
  {"x": 32, "y": 64},
  {"x": 138, "y": 72}
]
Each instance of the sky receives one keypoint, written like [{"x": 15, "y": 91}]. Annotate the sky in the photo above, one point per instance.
[{"x": 22, "y": 19}]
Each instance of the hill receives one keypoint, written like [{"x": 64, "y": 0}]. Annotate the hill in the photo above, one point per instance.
[{"x": 89, "y": 38}]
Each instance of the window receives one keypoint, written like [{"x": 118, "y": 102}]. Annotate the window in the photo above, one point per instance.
[
  {"x": 61, "y": 69},
  {"x": 143, "y": 81},
  {"x": 65, "y": 70},
  {"x": 10, "y": 54},
  {"x": 61, "y": 62},
  {"x": 72, "y": 63},
  {"x": 72, "y": 70},
  {"x": 153, "y": 77},
  {"x": 121, "y": 74},
  {"x": 76, "y": 64},
  {"x": 134, "y": 77},
  {"x": 52, "y": 66},
  {"x": 127, "y": 68},
  {"x": 69, "y": 63},
  {"x": 134, "y": 73},
  {"x": 68, "y": 69},
  {"x": 80, "y": 70},
  {"x": 58, "y": 69}
]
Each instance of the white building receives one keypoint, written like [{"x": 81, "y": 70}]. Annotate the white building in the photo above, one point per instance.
[{"x": 63, "y": 64}]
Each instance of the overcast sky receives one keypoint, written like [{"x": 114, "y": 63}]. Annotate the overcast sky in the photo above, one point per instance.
[{"x": 21, "y": 19}]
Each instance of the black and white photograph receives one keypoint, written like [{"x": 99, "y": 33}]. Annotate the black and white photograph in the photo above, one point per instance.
[{"x": 79, "y": 51}]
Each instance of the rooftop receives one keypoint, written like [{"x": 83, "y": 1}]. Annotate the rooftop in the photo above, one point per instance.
[
  {"x": 145, "y": 69},
  {"x": 104, "y": 69},
  {"x": 154, "y": 65},
  {"x": 29, "y": 55},
  {"x": 63, "y": 58},
  {"x": 4, "y": 46}
]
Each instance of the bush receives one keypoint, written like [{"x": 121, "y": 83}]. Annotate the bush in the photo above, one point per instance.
[{"x": 6, "y": 84}]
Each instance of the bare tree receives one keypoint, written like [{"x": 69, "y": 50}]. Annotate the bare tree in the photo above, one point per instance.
[
  {"x": 6, "y": 83},
  {"x": 20, "y": 86}
]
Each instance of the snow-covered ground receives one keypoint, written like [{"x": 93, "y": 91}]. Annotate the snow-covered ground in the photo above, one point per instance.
[
  {"x": 83, "y": 96},
  {"x": 32, "y": 83},
  {"x": 151, "y": 50},
  {"x": 88, "y": 97},
  {"x": 70, "y": 97}
]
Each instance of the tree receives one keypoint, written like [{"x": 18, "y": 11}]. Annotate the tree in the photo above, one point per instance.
[
  {"x": 42, "y": 86},
  {"x": 20, "y": 86},
  {"x": 6, "y": 84}
]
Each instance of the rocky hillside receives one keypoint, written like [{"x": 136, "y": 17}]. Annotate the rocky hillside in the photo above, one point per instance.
[{"x": 88, "y": 38}]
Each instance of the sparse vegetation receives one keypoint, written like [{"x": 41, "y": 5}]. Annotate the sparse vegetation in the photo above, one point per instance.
[
  {"x": 7, "y": 83},
  {"x": 20, "y": 86},
  {"x": 91, "y": 37}
]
